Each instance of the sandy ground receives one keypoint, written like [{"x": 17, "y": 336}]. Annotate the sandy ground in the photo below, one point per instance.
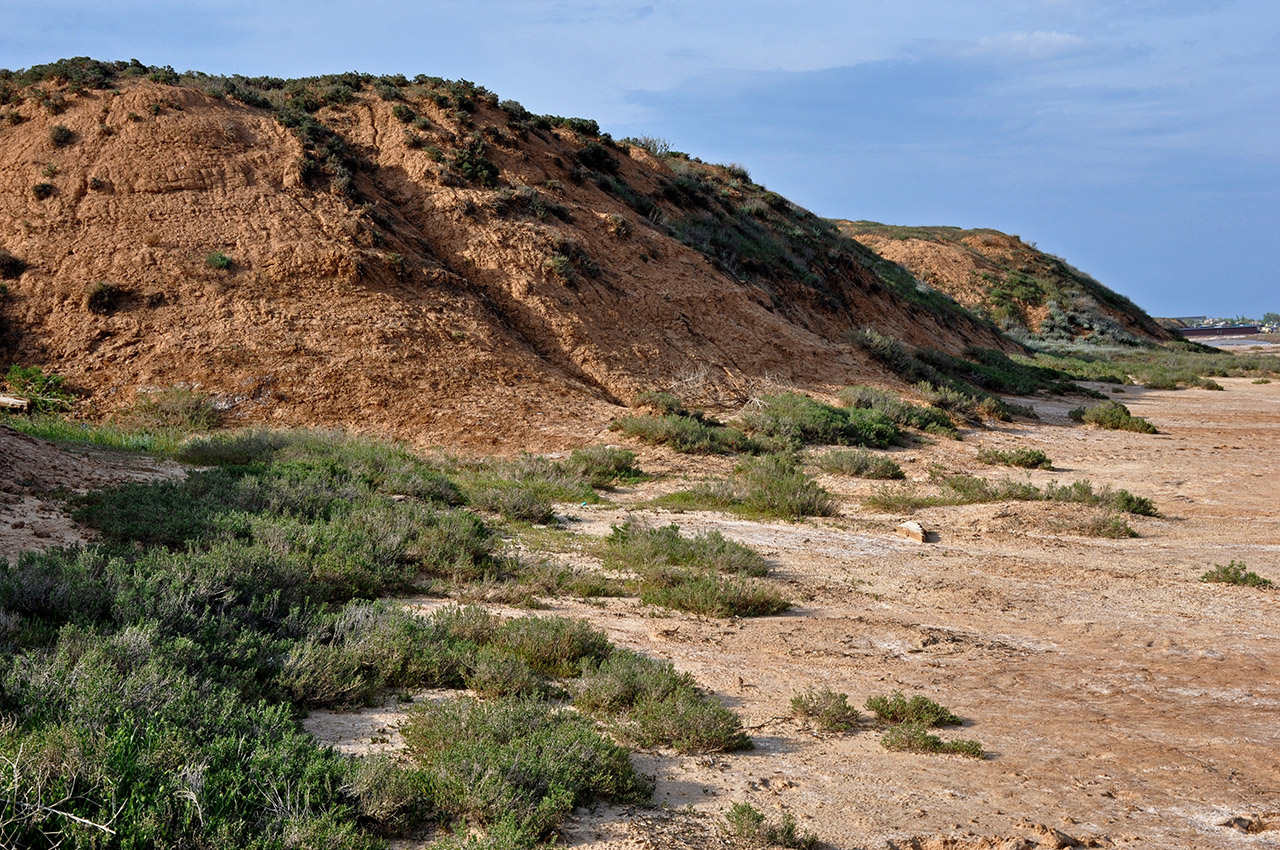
[{"x": 1121, "y": 701}]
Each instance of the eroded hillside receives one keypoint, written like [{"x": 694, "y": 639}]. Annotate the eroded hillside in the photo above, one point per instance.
[
  {"x": 412, "y": 257},
  {"x": 1010, "y": 282}
]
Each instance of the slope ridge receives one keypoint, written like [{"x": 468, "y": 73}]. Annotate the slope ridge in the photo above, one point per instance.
[
  {"x": 1010, "y": 282},
  {"x": 409, "y": 257}
]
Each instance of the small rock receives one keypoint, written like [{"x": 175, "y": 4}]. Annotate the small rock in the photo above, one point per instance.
[{"x": 914, "y": 530}]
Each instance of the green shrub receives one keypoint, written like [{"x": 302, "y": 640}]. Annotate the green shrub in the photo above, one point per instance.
[
  {"x": 1024, "y": 458},
  {"x": 796, "y": 419},
  {"x": 685, "y": 434},
  {"x": 651, "y": 704},
  {"x": 827, "y": 709},
  {"x": 768, "y": 486},
  {"x": 43, "y": 190},
  {"x": 921, "y": 710},
  {"x": 523, "y": 765},
  {"x": 662, "y": 403},
  {"x": 642, "y": 548},
  {"x": 925, "y": 418},
  {"x": 218, "y": 260},
  {"x": 859, "y": 463},
  {"x": 916, "y": 738},
  {"x": 775, "y": 486},
  {"x": 711, "y": 595},
  {"x": 1114, "y": 416},
  {"x": 747, "y": 826},
  {"x": 602, "y": 466},
  {"x": 554, "y": 646},
  {"x": 47, "y": 393},
  {"x": 1235, "y": 573}
]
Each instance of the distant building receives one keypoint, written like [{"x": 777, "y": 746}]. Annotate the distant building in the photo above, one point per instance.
[{"x": 1224, "y": 330}]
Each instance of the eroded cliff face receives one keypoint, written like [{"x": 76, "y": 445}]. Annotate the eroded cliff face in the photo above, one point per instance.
[{"x": 418, "y": 262}]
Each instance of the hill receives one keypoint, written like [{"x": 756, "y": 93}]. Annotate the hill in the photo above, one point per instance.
[
  {"x": 409, "y": 256},
  {"x": 1014, "y": 284}
]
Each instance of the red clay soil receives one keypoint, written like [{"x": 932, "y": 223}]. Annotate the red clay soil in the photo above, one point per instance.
[{"x": 428, "y": 311}]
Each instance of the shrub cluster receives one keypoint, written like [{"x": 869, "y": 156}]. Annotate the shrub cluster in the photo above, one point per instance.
[
  {"x": 909, "y": 721},
  {"x": 704, "y": 574},
  {"x": 1112, "y": 415},
  {"x": 932, "y": 420},
  {"x": 962, "y": 489},
  {"x": 1024, "y": 458},
  {"x": 792, "y": 419},
  {"x": 769, "y": 486},
  {"x": 859, "y": 463},
  {"x": 685, "y": 433},
  {"x": 153, "y": 679},
  {"x": 747, "y": 826}
]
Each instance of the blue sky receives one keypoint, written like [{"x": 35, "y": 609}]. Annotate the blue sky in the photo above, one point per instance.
[{"x": 1137, "y": 139}]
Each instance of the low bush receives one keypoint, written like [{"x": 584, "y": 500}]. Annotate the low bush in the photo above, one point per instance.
[
  {"x": 793, "y": 419},
  {"x": 685, "y": 434},
  {"x": 916, "y": 738},
  {"x": 46, "y": 393},
  {"x": 218, "y": 260},
  {"x": 859, "y": 463},
  {"x": 43, "y": 190},
  {"x": 827, "y": 709},
  {"x": 962, "y": 489},
  {"x": 769, "y": 486},
  {"x": 644, "y": 549},
  {"x": 519, "y": 766},
  {"x": 711, "y": 595},
  {"x": 920, "y": 710},
  {"x": 60, "y": 135},
  {"x": 929, "y": 419},
  {"x": 776, "y": 486},
  {"x": 101, "y": 297},
  {"x": 175, "y": 408},
  {"x": 747, "y": 826},
  {"x": 1235, "y": 573},
  {"x": 1114, "y": 416},
  {"x": 1024, "y": 458},
  {"x": 650, "y": 704},
  {"x": 554, "y": 646}
]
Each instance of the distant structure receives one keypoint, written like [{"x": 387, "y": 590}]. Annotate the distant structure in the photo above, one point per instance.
[{"x": 1221, "y": 330}]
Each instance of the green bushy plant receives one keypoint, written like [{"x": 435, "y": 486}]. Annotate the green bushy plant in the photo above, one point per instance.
[
  {"x": 1235, "y": 573},
  {"x": 859, "y": 463},
  {"x": 827, "y": 709},
  {"x": 1024, "y": 458}
]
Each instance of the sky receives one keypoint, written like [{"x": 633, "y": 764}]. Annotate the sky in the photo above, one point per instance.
[{"x": 1139, "y": 140}]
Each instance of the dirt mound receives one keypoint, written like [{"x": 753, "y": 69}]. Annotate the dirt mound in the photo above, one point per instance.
[
  {"x": 410, "y": 258},
  {"x": 1005, "y": 279}
]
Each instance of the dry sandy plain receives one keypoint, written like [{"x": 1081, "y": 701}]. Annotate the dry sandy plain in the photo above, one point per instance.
[{"x": 1121, "y": 701}]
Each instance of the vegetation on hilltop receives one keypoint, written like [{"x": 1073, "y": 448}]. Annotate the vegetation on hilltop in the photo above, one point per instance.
[{"x": 1035, "y": 296}]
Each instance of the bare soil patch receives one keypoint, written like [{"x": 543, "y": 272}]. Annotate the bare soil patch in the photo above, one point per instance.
[{"x": 1121, "y": 701}]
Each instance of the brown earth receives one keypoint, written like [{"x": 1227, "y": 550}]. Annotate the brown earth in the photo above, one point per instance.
[
  {"x": 427, "y": 310},
  {"x": 968, "y": 265}
]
